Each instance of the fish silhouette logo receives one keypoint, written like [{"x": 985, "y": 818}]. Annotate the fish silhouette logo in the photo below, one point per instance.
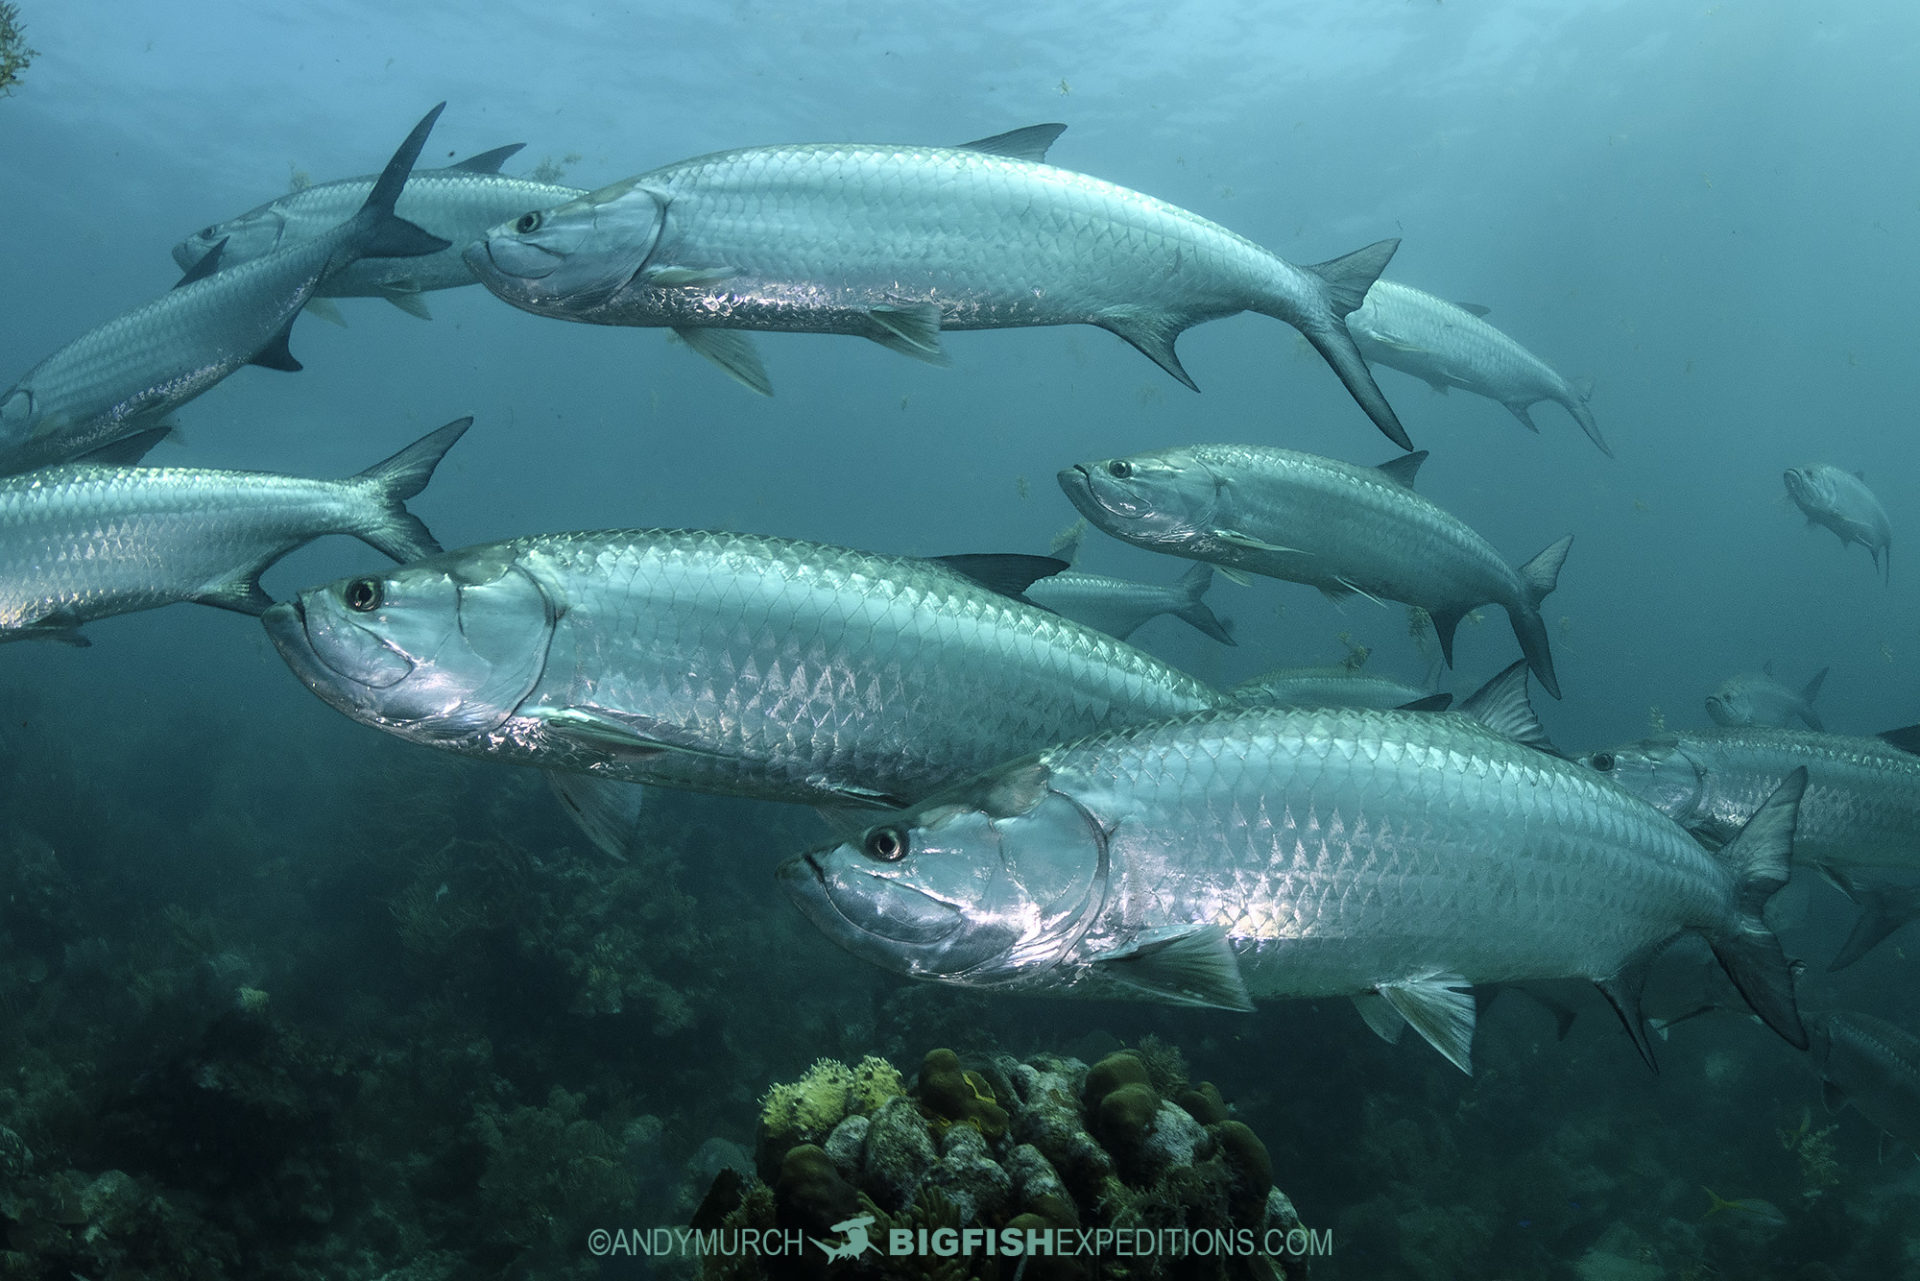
[{"x": 856, "y": 1243}]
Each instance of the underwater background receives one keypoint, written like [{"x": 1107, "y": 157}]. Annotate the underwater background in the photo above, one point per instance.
[{"x": 333, "y": 1005}]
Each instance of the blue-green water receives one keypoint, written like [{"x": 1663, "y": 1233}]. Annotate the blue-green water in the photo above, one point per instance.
[{"x": 1707, "y": 210}]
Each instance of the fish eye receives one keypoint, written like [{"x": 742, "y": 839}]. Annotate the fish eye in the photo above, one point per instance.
[
  {"x": 1120, "y": 469},
  {"x": 1602, "y": 761},
  {"x": 363, "y": 595},
  {"x": 207, "y": 233},
  {"x": 527, "y": 222},
  {"x": 886, "y": 844}
]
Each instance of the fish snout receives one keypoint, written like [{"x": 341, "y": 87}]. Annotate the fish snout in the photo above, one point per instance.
[{"x": 498, "y": 258}]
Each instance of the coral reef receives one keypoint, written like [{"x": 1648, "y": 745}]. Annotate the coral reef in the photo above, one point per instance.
[
  {"x": 15, "y": 57},
  {"x": 1001, "y": 1146}
]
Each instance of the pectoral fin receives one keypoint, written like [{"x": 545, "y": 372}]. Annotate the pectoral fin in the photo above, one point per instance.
[
  {"x": 733, "y": 352},
  {"x": 1232, "y": 575},
  {"x": 604, "y": 734},
  {"x": 680, "y": 277},
  {"x": 240, "y": 593},
  {"x": 1180, "y": 965},
  {"x": 1440, "y": 1009},
  {"x": 407, "y": 300},
  {"x": 1234, "y": 538}
]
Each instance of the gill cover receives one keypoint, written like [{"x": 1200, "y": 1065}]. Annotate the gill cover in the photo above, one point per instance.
[
  {"x": 442, "y": 649},
  {"x": 988, "y": 887},
  {"x": 1148, "y": 497},
  {"x": 580, "y": 253}
]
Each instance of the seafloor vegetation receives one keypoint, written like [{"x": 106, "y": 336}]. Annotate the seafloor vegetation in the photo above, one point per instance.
[
  {"x": 15, "y": 57},
  {"x": 266, "y": 1015}
]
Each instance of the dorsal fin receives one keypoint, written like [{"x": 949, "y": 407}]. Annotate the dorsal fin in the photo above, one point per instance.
[
  {"x": 489, "y": 161},
  {"x": 1906, "y": 738},
  {"x": 1473, "y": 308},
  {"x": 1403, "y": 469},
  {"x": 208, "y": 264},
  {"x": 1501, "y": 705},
  {"x": 128, "y": 450},
  {"x": 1030, "y": 143},
  {"x": 1010, "y": 574}
]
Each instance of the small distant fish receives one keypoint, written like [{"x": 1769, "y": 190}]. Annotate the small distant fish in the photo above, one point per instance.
[
  {"x": 1872, "y": 1065},
  {"x": 1756, "y": 698},
  {"x": 1334, "y": 687},
  {"x": 1841, "y": 501},
  {"x": 122, "y": 378},
  {"x": 1315, "y": 520},
  {"x": 1751, "y": 1211},
  {"x": 1119, "y": 606},
  {"x": 1860, "y": 816},
  {"x": 457, "y": 204},
  {"x": 900, "y": 243},
  {"x": 1449, "y": 345},
  {"x": 82, "y": 542},
  {"x": 1395, "y": 857}
]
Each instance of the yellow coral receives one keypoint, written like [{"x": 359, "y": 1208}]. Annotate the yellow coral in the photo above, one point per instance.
[
  {"x": 828, "y": 1094},
  {"x": 874, "y": 1082}
]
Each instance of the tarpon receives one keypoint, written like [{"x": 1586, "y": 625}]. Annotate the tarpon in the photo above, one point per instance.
[
  {"x": 898, "y": 243},
  {"x": 1859, "y": 818},
  {"x": 123, "y": 377},
  {"x": 458, "y": 204},
  {"x": 1315, "y": 520},
  {"x": 1227, "y": 856},
  {"x": 81, "y": 542},
  {"x": 1756, "y": 698},
  {"x": 1120, "y": 606},
  {"x": 1841, "y": 501},
  {"x": 721, "y": 662},
  {"x": 1335, "y": 687},
  {"x": 1872, "y": 1065},
  {"x": 1448, "y": 345}
]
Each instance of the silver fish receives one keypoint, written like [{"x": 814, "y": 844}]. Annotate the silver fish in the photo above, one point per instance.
[
  {"x": 1225, "y": 856},
  {"x": 1873, "y": 1065},
  {"x": 1448, "y": 345},
  {"x": 897, "y": 243},
  {"x": 1119, "y": 606},
  {"x": 1860, "y": 815},
  {"x": 457, "y": 204},
  {"x": 1334, "y": 687},
  {"x": 82, "y": 542},
  {"x": 1315, "y": 520},
  {"x": 720, "y": 662},
  {"x": 1755, "y": 698},
  {"x": 123, "y": 377},
  {"x": 1842, "y": 502}
]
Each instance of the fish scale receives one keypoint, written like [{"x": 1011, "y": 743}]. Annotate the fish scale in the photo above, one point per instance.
[{"x": 751, "y": 665}]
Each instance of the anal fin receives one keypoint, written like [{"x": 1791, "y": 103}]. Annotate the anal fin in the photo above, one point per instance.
[
  {"x": 1440, "y": 1008},
  {"x": 731, "y": 350}
]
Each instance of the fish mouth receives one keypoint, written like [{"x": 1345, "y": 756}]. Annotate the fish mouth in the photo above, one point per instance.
[
  {"x": 500, "y": 258},
  {"x": 895, "y": 919},
  {"x": 288, "y": 627}
]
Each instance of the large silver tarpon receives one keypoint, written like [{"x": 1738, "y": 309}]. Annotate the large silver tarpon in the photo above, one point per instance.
[
  {"x": 897, "y": 243},
  {"x": 1232, "y": 855},
  {"x": 82, "y": 542},
  {"x": 721, "y": 662},
  {"x": 1315, "y": 520},
  {"x": 121, "y": 379},
  {"x": 1447, "y": 345},
  {"x": 458, "y": 204}
]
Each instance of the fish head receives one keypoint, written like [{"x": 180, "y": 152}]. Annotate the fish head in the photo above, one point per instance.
[
  {"x": 1168, "y": 497},
  {"x": 441, "y": 650},
  {"x": 253, "y": 234},
  {"x": 991, "y": 884},
  {"x": 1811, "y": 488},
  {"x": 1732, "y": 704},
  {"x": 1660, "y": 771},
  {"x": 573, "y": 256}
]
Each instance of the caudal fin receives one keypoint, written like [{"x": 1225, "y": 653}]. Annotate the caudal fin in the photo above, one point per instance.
[
  {"x": 1538, "y": 577},
  {"x": 383, "y": 235},
  {"x": 395, "y": 530},
  {"x": 1758, "y": 860},
  {"x": 1194, "y": 611},
  {"x": 1347, "y": 280},
  {"x": 1576, "y": 404}
]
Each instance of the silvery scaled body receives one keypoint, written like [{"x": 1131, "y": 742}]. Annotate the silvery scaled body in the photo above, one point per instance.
[
  {"x": 720, "y": 662},
  {"x": 1448, "y": 345},
  {"x": 1841, "y": 501},
  {"x": 458, "y": 204},
  {"x": 897, "y": 243},
  {"x": 1316, "y": 520},
  {"x": 1872, "y": 1065},
  {"x": 1329, "y": 687},
  {"x": 123, "y": 378},
  {"x": 1120, "y": 606},
  {"x": 1296, "y": 853},
  {"x": 82, "y": 542}
]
